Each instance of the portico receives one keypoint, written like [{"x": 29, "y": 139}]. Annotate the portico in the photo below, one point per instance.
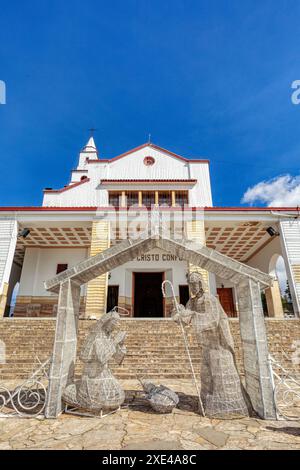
[{"x": 70, "y": 237}]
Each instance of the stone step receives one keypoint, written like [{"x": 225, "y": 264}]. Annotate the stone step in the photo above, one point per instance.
[{"x": 155, "y": 347}]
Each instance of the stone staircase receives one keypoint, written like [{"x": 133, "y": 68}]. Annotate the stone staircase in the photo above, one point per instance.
[{"x": 155, "y": 347}]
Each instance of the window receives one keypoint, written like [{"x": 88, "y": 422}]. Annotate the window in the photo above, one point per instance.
[
  {"x": 181, "y": 198},
  {"x": 112, "y": 297},
  {"x": 164, "y": 198},
  {"x": 114, "y": 198},
  {"x": 148, "y": 198},
  {"x": 84, "y": 177},
  {"x": 148, "y": 161},
  {"x": 132, "y": 198},
  {"x": 61, "y": 267}
]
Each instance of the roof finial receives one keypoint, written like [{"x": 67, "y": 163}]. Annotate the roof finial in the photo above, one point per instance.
[{"x": 149, "y": 138}]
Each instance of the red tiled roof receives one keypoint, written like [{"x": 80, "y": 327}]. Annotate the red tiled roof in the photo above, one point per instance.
[{"x": 66, "y": 188}]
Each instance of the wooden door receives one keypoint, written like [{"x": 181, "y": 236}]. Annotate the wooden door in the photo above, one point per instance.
[{"x": 226, "y": 299}]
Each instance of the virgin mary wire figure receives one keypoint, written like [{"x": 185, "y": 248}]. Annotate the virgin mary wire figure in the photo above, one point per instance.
[
  {"x": 98, "y": 390},
  {"x": 222, "y": 392}
]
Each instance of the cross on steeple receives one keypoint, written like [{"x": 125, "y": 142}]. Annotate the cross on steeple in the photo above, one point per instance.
[{"x": 92, "y": 130}]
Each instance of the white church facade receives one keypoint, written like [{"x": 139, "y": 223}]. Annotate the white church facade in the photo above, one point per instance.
[{"x": 108, "y": 200}]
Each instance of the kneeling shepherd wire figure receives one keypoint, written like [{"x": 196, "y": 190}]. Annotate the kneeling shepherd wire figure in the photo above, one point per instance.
[{"x": 98, "y": 390}]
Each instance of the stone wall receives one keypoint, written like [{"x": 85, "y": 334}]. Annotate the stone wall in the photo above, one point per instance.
[
  {"x": 46, "y": 306},
  {"x": 155, "y": 347},
  {"x": 282, "y": 337},
  {"x": 42, "y": 307}
]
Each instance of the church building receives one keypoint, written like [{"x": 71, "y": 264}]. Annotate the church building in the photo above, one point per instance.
[{"x": 107, "y": 200}]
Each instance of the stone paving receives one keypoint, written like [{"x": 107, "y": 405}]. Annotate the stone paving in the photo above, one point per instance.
[{"x": 136, "y": 426}]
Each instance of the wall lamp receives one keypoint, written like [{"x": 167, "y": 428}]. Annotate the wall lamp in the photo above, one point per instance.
[
  {"x": 272, "y": 232},
  {"x": 24, "y": 232}
]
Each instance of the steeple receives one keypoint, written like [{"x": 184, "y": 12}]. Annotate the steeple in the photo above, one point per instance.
[
  {"x": 90, "y": 146},
  {"x": 89, "y": 151}
]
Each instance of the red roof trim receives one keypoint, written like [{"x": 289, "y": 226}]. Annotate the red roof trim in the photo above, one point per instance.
[
  {"x": 156, "y": 147},
  {"x": 94, "y": 208},
  {"x": 251, "y": 209},
  {"x": 106, "y": 181},
  {"x": 47, "y": 209},
  {"x": 62, "y": 190}
]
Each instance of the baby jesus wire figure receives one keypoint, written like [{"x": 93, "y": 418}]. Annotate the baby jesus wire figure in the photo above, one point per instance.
[
  {"x": 222, "y": 392},
  {"x": 98, "y": 390}
]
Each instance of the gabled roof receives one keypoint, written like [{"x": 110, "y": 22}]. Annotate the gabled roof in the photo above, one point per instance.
[{"x": 155, "y": 147}]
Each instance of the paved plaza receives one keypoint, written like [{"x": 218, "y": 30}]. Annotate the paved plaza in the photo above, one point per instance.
[{"x": 136, "y": 426}]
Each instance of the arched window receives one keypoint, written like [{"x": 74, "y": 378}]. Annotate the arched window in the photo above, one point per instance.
[
  {"x": 278, "y": 270},
  {"x": 84, "y": 177},
  {"x": 13, "y": 299}
]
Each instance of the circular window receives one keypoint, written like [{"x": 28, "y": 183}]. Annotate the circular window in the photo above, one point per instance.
[{"x": 148, "y": 161}]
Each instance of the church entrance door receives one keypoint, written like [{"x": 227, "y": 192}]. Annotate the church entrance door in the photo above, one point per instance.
[{"x": 148, "y": 299}]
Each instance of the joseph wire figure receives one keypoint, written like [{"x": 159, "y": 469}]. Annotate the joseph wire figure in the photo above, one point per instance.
[
  {"x": 222, "y": 393},
  {"x": 177, "y": 309}
]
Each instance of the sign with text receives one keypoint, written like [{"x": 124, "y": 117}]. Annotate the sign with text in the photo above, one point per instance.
[{"x": 158, "y": 257}]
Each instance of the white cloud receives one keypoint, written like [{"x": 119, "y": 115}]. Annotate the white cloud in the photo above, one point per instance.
[{"x": 277, "y": 192}]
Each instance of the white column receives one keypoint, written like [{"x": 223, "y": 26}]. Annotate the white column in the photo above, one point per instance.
[
  {"x": 8, "y": 241},
  {"x": 290, "y": 243}
]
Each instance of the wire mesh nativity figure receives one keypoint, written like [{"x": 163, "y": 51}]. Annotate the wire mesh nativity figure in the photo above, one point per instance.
[
  {"x": 222, "y": 392},
  {"x": 98, "y": 390}
]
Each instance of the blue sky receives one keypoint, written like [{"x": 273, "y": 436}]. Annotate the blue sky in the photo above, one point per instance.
[{"x": 206, "y": 78}]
